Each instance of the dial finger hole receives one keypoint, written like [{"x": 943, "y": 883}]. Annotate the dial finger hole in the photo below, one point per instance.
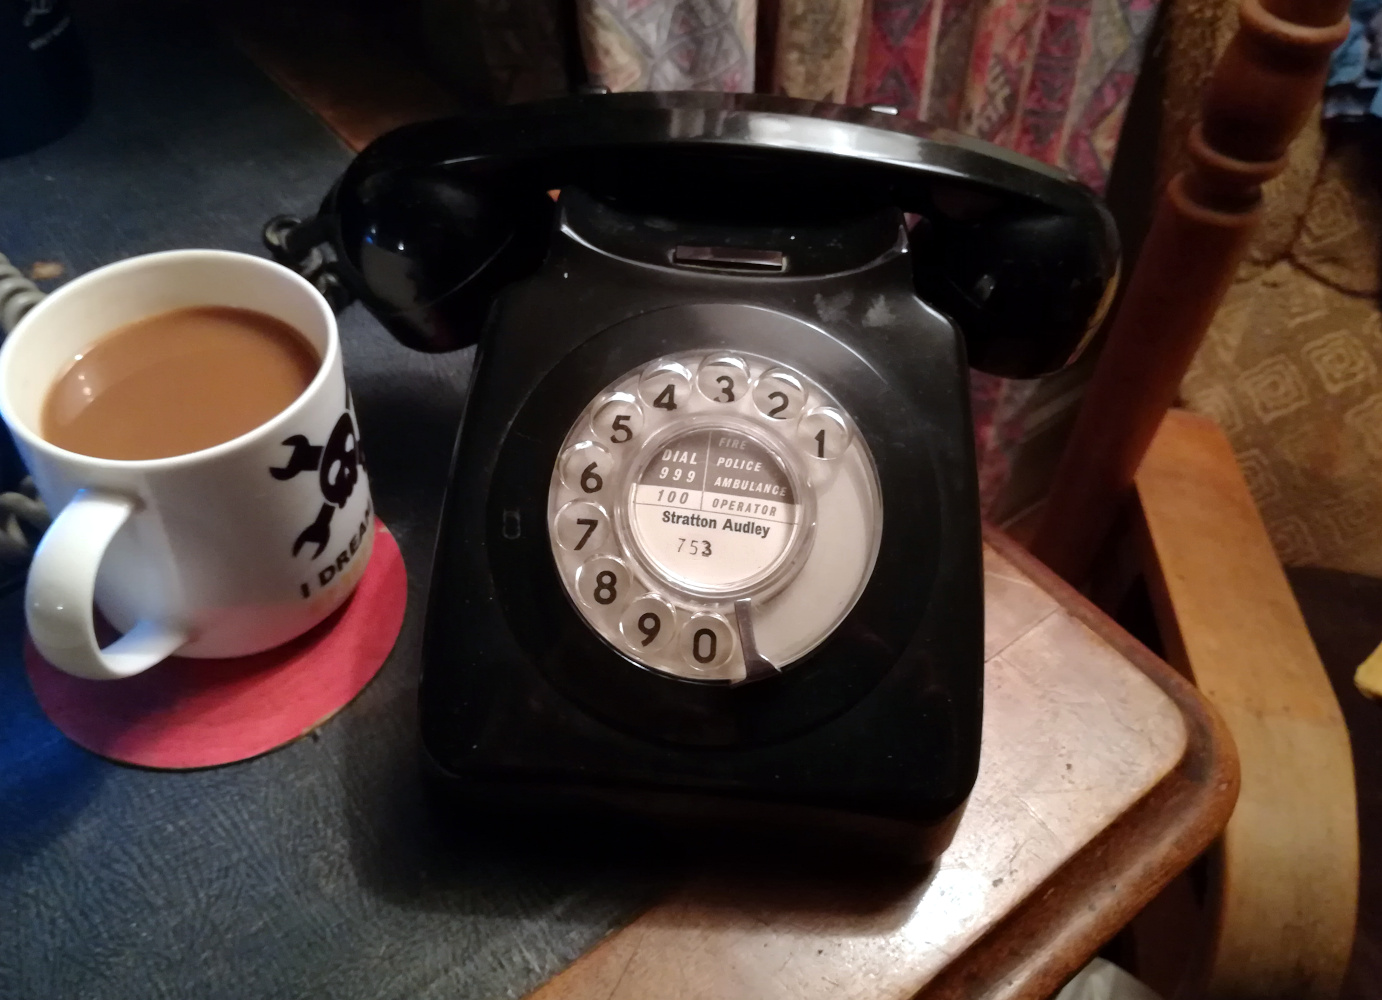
[
  {"x": 823, "y": 433},
  {"x": 723, "y": 379},
  {"x": 779, "y": 394},
  {"x": 664, "y": 385},
  {"x": 620, "y": 420},
  {"x": 582, "y": 526},
  {"x": 648, "y": 624},
  {"x": 585, "y": 467},
  {"x": 602, "y": 583},
  {"x": 706, "y": 642}
]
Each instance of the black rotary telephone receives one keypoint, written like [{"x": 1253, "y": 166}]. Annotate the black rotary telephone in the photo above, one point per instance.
[{"x": 711, "y": 546}]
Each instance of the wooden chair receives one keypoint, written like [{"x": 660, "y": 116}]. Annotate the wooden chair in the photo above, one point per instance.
[{"x": 1284, "y": 896}]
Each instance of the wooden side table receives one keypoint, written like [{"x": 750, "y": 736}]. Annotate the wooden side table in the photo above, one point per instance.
[{"x": 1103, "y": 775}]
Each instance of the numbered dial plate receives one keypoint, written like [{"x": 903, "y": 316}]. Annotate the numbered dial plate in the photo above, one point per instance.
[
  {"x": 714, "y": 510},
  {"x": 714, "y": 516}
]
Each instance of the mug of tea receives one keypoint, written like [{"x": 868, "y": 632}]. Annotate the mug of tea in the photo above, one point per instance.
[{"x": 186, "y": 419}]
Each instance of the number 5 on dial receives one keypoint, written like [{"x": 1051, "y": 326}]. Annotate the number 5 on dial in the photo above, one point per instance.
[{"x": 620, "y": 420}]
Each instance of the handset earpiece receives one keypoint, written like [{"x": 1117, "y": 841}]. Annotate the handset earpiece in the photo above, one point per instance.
[
  {"x": 1027, "y": 287},
  {"x": 427, "y": 251}
]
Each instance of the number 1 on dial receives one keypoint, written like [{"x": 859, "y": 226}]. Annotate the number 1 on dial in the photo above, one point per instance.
[{"x": 823, "y": 433}]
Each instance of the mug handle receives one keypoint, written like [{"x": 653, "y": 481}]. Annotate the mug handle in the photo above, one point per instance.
[{"x": 62, "y": 587}]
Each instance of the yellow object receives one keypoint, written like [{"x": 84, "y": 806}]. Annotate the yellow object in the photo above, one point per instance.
[{"x": 1369, "y": 675}]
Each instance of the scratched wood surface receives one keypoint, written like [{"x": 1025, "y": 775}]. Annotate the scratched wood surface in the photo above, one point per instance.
[{"x": 1076, "y": 735}]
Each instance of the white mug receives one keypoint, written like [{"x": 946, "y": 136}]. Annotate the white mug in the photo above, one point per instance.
[{"x": 221, "y": 552}]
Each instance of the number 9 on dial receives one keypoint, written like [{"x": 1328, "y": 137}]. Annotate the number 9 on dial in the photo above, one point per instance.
[{"x": 648, "y": 624}]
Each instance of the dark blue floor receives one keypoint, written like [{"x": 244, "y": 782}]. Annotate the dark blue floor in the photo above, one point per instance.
[{"x": 314, "y": 871}]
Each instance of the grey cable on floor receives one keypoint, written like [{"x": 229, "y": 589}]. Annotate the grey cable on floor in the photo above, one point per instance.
[
  {"x": 17, "y": 295},
  {"x": 23, "y": 518}
]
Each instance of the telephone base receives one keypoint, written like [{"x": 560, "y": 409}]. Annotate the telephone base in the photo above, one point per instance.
[{"x": 709, "y": 828}]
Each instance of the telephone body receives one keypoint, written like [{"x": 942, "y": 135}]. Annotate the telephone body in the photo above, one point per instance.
[{"x": 711, "y": 546}]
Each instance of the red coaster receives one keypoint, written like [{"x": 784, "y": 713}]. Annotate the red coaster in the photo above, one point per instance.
[{"x": 187, "y": 713}]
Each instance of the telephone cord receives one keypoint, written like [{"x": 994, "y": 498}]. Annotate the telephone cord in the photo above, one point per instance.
[
  {"x": 17, "y": 295},
  {"x": 23, "y": 517}
]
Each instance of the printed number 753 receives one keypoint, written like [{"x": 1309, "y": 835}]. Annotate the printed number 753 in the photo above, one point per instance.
[{"x": 694, "y": 546}]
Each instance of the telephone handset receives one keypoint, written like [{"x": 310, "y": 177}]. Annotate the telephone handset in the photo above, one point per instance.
[{"x": 711, "y": 544}]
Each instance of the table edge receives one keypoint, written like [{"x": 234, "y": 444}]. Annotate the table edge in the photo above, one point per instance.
[
  {"x": 1046, "y": 938},
  {"x": 1030, "y": 953}
]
